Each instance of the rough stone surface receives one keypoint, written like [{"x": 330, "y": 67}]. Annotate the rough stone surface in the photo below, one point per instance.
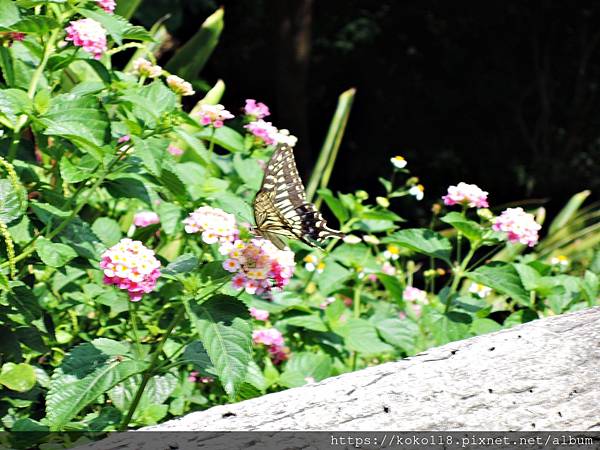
[{"x": 543, "y": 375}]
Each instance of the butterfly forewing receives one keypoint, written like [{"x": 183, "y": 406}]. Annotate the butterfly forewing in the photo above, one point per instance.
[{"x": 281, "y": 208}]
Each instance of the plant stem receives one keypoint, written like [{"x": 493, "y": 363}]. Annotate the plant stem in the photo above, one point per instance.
[
  {"x": 134, "y": 328},
  {"x": 150, "y": 370},
  {"x": 459, "y": 273},
  {"x": 356, "y": 309},
  {"x": 35, "y": 79}
]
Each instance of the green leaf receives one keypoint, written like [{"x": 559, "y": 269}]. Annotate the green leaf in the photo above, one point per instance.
[
  {"x": 118, "y": 27},
  {"x": 14, "y": 102},
  {"x": 127, "y": 8},
  {"x": 80, "y": 119},
  {"x": 158, "y": 390},
  {"x": 107, "y": 230},
  {"x": 249, "y": 171},
  {"x": 449, "y": 327},
  {"x": 74, "y": 173},
  {"x": 17, "y": 377},
  {"x": 256, "y": 378},
  {"x": 393, "y": 287},
  {"x": 483, "y": 326},
  {"x": 9, "y": 13},
  {"x": 470, "y": 229},
  {"x": 189, "y": 60},
  {"x": 54, "y": 255},
  {"x": 401, "y": 333},
  {"x": 234, "y": 204},
  {"x": 519, "y": 317},
  {"x": 502, "y": 278},
  {"x": 183, "y": 264},
  {"x": 196, "y": 354},
  {"x": 225, "y": 137},
  {"x": 333, "y": 277},
  {"x": 223, "y": 325},
  {"x": 423, "y": 241},
  {"x": 335, "y": 205},
  {"x": 174, "y": 184},
  {"x": 170, "y": 217},
  {"x": 361, "y": 336},
  {"x": 84, "y": 375},
  {"x": 10, "y": 202},
  {"x": 32, "y": 25},
  {"x": 590, "y": 286},
  {"x": 151, "y": 101},
  {"x": 530, "y": 278},
  {"x": 303, "y": 366},
  {"x": 308, "y": 321},
  {"x": 152, "y": 151}
]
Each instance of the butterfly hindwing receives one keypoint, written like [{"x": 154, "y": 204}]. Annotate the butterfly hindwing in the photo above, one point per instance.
[{"x": 280, "y": 207}]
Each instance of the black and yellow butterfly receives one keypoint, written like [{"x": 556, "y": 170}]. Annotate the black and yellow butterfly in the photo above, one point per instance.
[{"x": 280, "y": 207}]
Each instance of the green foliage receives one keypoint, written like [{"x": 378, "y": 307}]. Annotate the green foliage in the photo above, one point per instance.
[{"x": 88, "y": 145}]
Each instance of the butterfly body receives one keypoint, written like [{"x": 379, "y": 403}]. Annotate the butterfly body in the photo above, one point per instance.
[{"x": 280, "y": 207}]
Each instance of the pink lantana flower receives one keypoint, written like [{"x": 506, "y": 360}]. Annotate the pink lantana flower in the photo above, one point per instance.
[
  {"x": 413, "y": 294},
  {"x": 132, "y": 267},
  {"x": 214, "y": 224},
  {"x": 145, "y": 218},
  {"x": 175, "y": 151},
  {"x": 519, "y": 226},
  {"x": 260, "y": 267},
  {"x": 107, "y": 5},
  {"x": 273, "y": 340},
  {"x": 214, "y": 115},
  {"x": 259, "y": 314},
  {"x": 269, "y": 134},
  {"x": 89, "y": 34},
  {"x": 467, "y": 195},
  {"x": 257, "y": 110},
  {"x": 145, "y": 68}
]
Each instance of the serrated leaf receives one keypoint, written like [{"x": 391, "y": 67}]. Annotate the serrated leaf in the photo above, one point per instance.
[
  {"x": 9, "y": 13},
  {"x": 361, "y": 336},
  {"x": 401, "y": 333},
  {"x": 308, "y": 321},
  {"x": 502, "y": 278},
  {"x": 196, "y": 354},
  {"x": 10, "y": 202},
  {"x": 74, "y": 173},
  {"x": 233, "y": 204},
  {"x": 14, "y": 102},
  {"x": 107, "y": 230},
  {"x": 249, "y": 171},
  {"x": 80, "y": 119},
  {"x": 183, "y": 264},
  {"x": 84, "y": 375},
  {"x": 152, "y": 152},
  {"x": 151, "y": 101},
  {"x": 449, "y": 327},
  {"x": 304, "y": 367},
  {"x": 32, "y": 25},
  {"x": 483, "y": 326},
  {"x": 223, "y": 325},
  {"x": 118, "y": 27},
  {"x": 170, "y": 217},
  {"x": 470, "y": 229},
  {"x": 17, "y": 377},
  {"x": 225, "y": 137},
  {"x": 423, "y": 241},
  {"x": 52, "y": 254},
  {"x": 335, "y": 205},
  {"x": 332, "y": 278}
]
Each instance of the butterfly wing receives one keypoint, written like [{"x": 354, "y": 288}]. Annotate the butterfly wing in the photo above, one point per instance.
[{"x": 281, "y": 208}]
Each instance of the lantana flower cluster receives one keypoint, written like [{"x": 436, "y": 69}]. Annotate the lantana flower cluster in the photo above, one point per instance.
[
  {"x": 145, "y": 218},
  {"x": 416, "y": 298},
  {"x": 213, "y": 115},
  {"x": 273, "y": 340},
  {"x": 145, "y": 68},
  {"x": 214, "y": 224},
  {"x": 131, "y": 266},
  {"x": 259, "y": 314},
  {"x": 259, "y": 266},
  {"x": 269, "y": 134},
  {"x": 180, "y": 86},
  {"x": 107, "y": 5},
  {"x": 257, "y": 110},
  {"x": 519, "y": 226},
  {"x": 88, "y": 34},
  {"x": 467, "y": 195}
]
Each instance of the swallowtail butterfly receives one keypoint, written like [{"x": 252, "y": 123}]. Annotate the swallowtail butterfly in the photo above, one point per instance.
[{"x": 280, "y": 207}]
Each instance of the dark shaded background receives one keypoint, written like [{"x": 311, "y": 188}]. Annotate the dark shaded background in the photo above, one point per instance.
[{"x": 502, "y": 94}]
